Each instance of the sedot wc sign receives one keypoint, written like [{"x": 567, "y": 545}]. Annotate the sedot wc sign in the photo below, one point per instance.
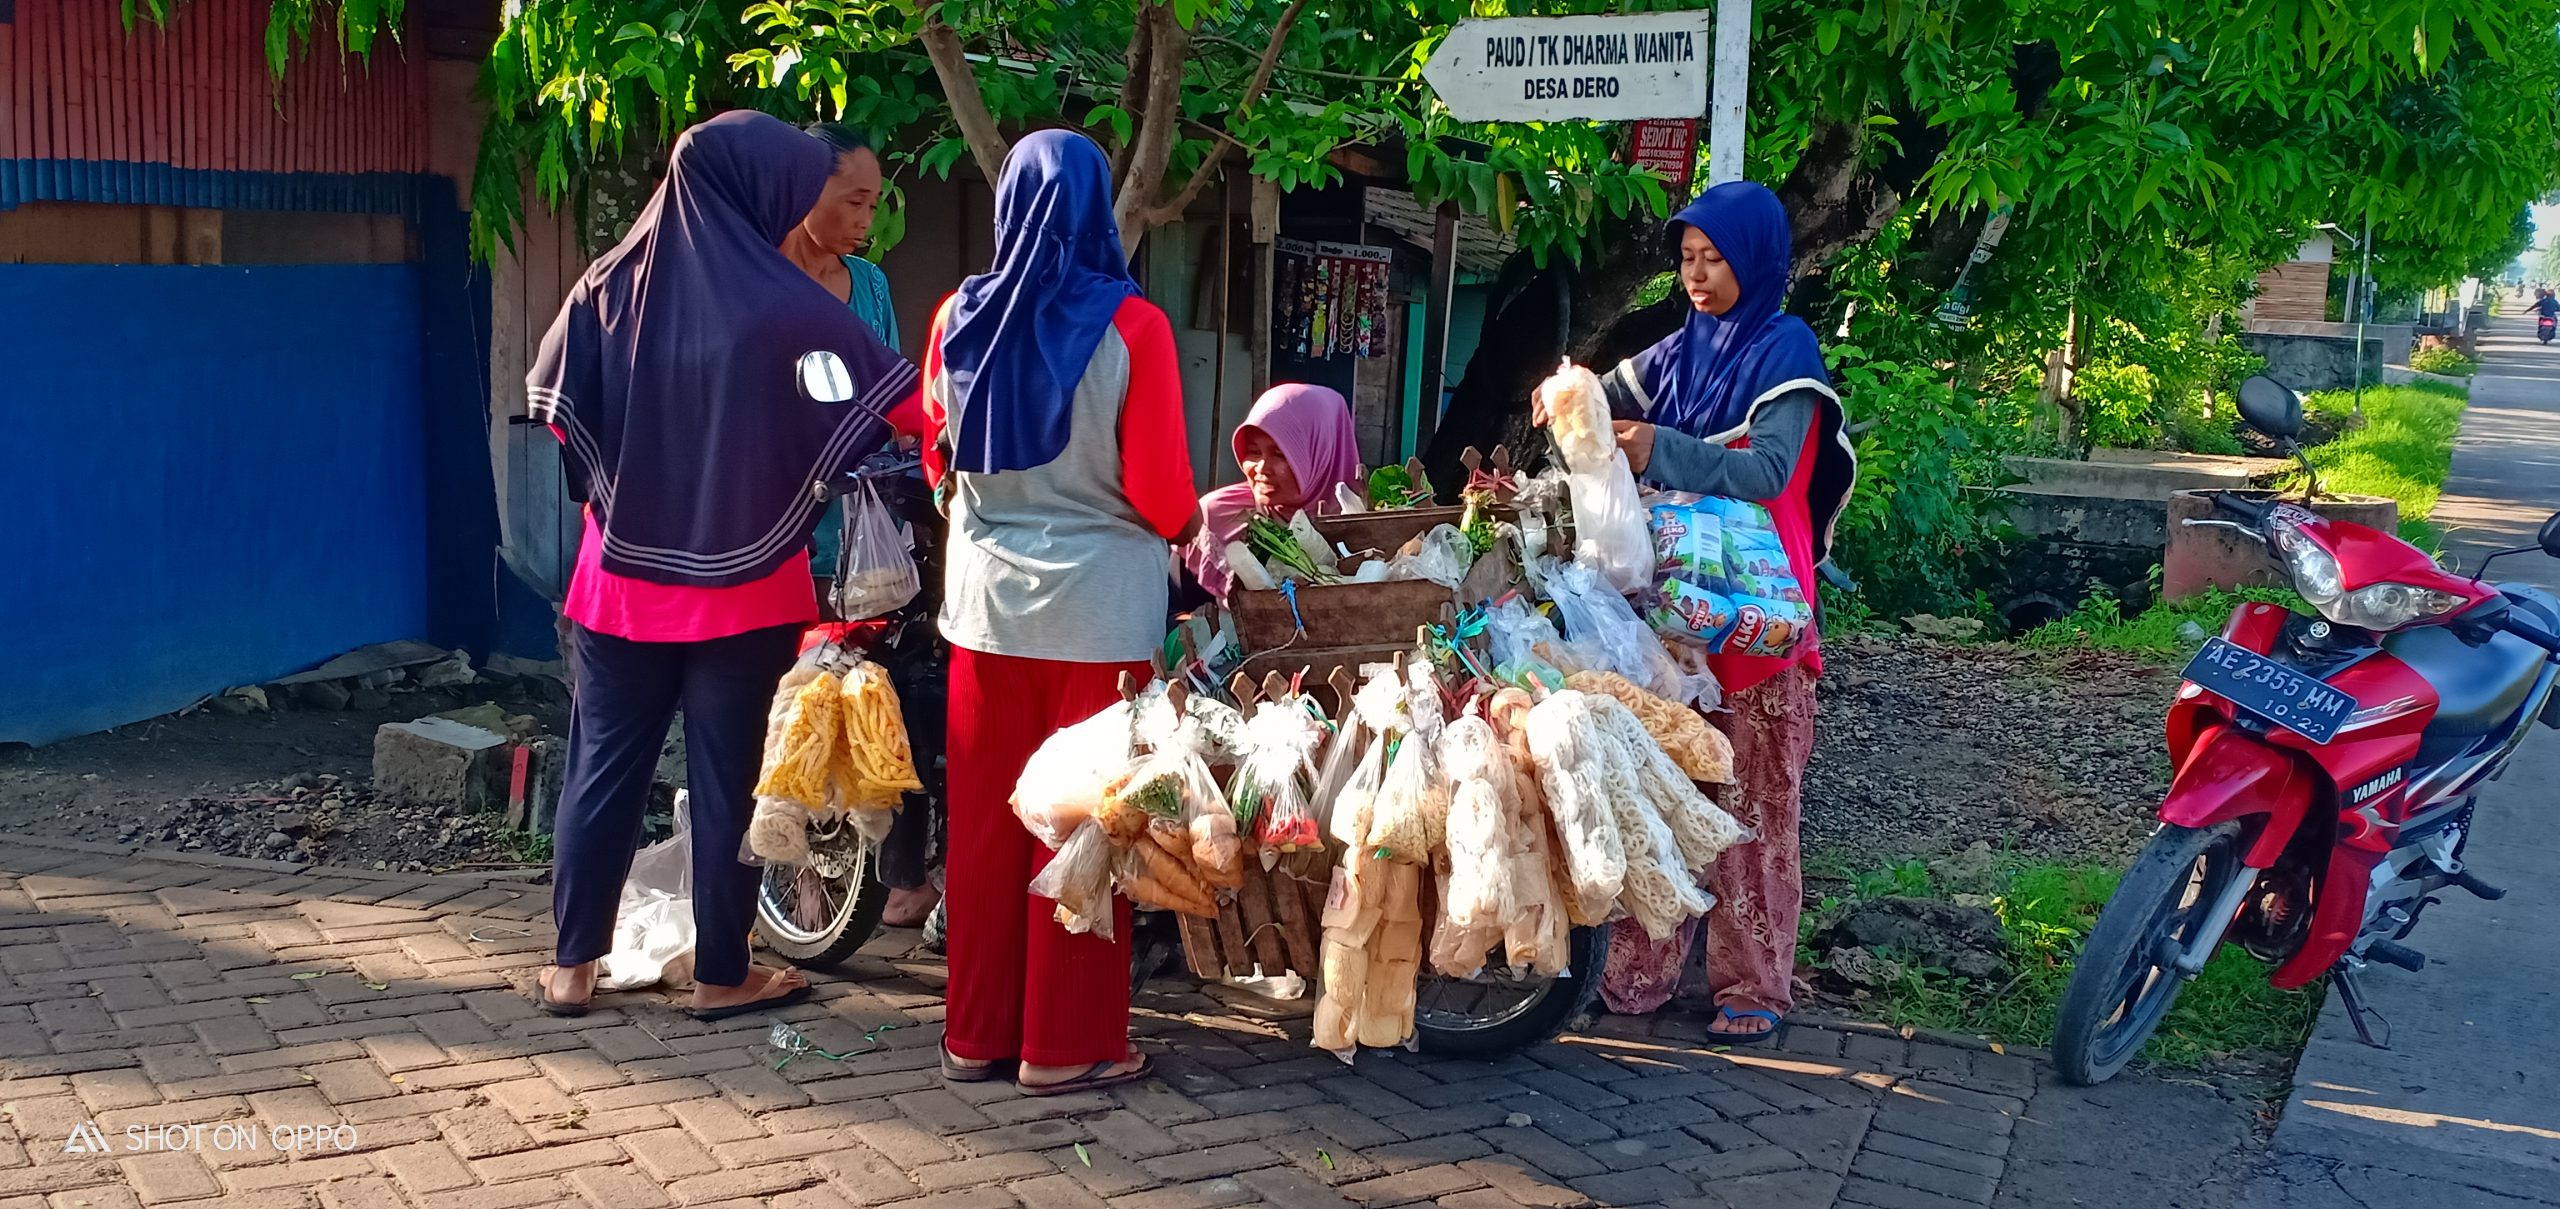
[{"x": 1608, "y": 68}]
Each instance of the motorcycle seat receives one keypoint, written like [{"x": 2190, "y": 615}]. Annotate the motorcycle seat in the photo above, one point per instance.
[{"x": 2478, "y": 688}]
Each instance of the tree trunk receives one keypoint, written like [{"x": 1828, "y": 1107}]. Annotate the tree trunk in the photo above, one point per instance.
[
  {"x": 2059, "y": 367},
  {"x": 1151, "y": 145},
  {"x": 968, "y": 106}
]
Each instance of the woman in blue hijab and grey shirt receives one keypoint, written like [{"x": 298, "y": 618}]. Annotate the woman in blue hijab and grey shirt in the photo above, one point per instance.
[
  {"x": 1737, "y": 404},
  {"x": 1054, "y": 422}
]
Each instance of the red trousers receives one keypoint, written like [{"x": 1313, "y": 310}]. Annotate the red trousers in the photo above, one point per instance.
[{"x": 1021, "y": 985}]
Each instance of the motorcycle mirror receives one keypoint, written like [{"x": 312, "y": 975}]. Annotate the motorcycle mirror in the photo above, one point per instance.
[
  {"x": 2550, "y": 536},
  {"x": 2271, "y": 407},
  {"x": 823, "y": 378}
]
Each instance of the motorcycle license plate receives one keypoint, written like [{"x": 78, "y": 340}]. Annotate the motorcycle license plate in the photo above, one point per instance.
[{"x": 2262, "y": 686}]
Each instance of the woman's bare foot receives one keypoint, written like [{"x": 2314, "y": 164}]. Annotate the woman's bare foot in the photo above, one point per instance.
[
  {"x": 762, "y": 983},
  {"x": 909, "y": 908},
  {"x": 566, "y": 987}
]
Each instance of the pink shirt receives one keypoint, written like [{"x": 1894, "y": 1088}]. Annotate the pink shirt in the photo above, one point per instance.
[
  {"x": 641, "y": 611},
  {"x": 648, "y": 612}
]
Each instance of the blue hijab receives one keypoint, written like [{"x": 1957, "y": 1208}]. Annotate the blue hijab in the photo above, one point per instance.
[
  {"x": 1020, "y": 335},
  {"x": 1705, "y": 377}
]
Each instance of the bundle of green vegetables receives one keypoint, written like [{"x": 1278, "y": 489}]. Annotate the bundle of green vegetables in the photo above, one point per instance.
[
  {"x": 1394, "y": 487},
  {"x": 1293, "y": 550}
]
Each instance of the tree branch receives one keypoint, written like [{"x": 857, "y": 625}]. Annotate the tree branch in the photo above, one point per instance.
[
  {"x": 968, "y": 105},
  {"x": 1157, "y": 122},
  {"x": 1212, "y": 163},
  {"x": 1271, "y": 55},
  {"x": 1273, "y": 62}
]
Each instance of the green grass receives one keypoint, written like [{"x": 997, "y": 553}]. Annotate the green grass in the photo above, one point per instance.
[
  {"x": 532, "y": 847},
  {"x": 2100, "y": 623},
  {"x": 2447, "y": 361},
  {"x": 2403, "y": 449},
  {"x": 2045, "y": 911}
]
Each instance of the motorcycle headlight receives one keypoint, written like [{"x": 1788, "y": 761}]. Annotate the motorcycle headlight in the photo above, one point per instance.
[
  {"x": 2314, "y": 570},
  {"x": 2389, "y": 606}
]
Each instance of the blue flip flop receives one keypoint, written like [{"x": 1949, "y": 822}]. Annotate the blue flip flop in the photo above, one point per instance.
[{"x": 1726, "y": 1014}]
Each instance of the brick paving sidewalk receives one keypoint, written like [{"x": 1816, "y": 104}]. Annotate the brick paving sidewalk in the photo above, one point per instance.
[{"x": 142, "y": 990}]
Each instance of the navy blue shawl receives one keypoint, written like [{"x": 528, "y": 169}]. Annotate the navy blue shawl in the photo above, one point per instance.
[{"x": 671, "y": 372}]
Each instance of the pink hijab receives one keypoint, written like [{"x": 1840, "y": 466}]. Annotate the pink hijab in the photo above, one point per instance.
[{"x": 1312, "y": 427}]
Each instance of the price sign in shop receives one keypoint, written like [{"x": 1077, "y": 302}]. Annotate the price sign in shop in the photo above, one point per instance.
[{"x": 1607, "y": 68}]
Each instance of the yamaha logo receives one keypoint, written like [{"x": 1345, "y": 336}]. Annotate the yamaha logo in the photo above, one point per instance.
[{"x": 2373, "y": 788}]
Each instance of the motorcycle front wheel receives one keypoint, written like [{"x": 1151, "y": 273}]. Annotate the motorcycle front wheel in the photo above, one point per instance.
[
  {"x": 814, "y": 920},
  {"x": 2125, "y": 980},
  {"x": 1494, "y": 1013}
]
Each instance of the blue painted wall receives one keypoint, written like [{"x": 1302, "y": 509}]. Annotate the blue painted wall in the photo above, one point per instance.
[{"x": 209, "y": 476}]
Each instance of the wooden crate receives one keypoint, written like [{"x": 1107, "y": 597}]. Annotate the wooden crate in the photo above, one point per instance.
[
  {"x": 1337, "y": 615},
  {"x": 1386, "y": 532},
  {"x": 1275, "y": 921}
]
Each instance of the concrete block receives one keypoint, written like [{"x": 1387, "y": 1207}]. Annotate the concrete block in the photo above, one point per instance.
[{"x": 441, "y": 762}]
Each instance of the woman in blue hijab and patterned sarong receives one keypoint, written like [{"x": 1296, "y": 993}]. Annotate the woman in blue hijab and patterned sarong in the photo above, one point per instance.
[{"x": 1737, "y": 404}]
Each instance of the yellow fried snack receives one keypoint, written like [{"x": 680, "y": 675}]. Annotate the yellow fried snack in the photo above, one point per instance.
[
  {"x": 878, "y": 766},
  {"x": 1701, "y": 751},
  {"x": 801, "y": 764}
]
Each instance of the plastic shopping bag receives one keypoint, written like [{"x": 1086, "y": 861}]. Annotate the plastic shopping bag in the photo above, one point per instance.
[
  {"x": 1608, "y": 520},
  {"x": 1722, "y": 577},
  {"x": 1595, "y": 615},
  {"x": 876, "y": 573},
  {"x": 653, "y": 923}
]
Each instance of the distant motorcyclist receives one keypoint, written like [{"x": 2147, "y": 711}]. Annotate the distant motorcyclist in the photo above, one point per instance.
[{"x": 2545, "y": 305}]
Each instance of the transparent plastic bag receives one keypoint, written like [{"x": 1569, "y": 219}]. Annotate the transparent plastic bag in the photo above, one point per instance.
[
  {"x": 1078, "y": 879},
  {"x": 1608, "y": 518},
  {"x": 1475, "y": 890},
  {"x": 1412, "y": 810},
  {"x": 1443, "y": 559},
  {"x": 1567, "y": 745},
  {"x": 1268, "y": 791},
  {"x": 876, "y": 573},
  {"x": 1602, "y": 619},
  {"x": 1155, "y": 869},
  {"x": 1068, "y": 778}
]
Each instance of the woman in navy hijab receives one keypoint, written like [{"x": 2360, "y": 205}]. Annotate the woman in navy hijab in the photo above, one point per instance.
[
  {"x": 1737, "y": 404},
  {"x": 671, "y": 380},
  {"x": 1054, "y": 421}
]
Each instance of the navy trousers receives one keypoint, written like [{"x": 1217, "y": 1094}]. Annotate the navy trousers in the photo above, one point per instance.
[{"x": 627, "y": 694}]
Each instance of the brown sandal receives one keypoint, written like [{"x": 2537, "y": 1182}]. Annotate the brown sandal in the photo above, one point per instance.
[
  {"x": 953, "y": 1072},
  {"x": 1094, "y": 1079},
  {"x": 557, "y": 1007},
  {"x": 783, "y": 1000}
]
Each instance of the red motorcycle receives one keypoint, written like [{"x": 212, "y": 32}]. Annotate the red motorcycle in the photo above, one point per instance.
[{"x": 2326, "y": 768}]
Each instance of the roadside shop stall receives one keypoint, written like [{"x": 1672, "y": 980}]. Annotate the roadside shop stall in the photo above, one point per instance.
[{"x": 1423, "y": 754}]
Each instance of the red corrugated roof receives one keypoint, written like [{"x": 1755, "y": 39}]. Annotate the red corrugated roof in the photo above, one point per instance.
[{"x": 75, "y": 85}]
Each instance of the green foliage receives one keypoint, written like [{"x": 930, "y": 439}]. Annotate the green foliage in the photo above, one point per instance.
[
  {"x": 2046, "y": 911},
  {"x": 2119, "y": 405},
  {"x": 575, "y": 83},
  {"x": 2160, "y": 632},
  {"x": 1918, "y": 531},
  {"x": 2403, "y": 449},
  {"x": 2448, "y": 361},
  {"x": 531, "y": 847}
]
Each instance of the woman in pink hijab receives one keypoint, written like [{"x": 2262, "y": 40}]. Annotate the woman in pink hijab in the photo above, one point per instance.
[{"x": 1294, "y": 447}]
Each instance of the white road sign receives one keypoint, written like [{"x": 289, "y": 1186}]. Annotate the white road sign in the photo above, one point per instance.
[{"x": 1609, "y": 68}]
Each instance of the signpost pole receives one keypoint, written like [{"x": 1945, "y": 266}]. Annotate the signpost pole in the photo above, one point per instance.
[{"x": 1732, "y": 91}]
